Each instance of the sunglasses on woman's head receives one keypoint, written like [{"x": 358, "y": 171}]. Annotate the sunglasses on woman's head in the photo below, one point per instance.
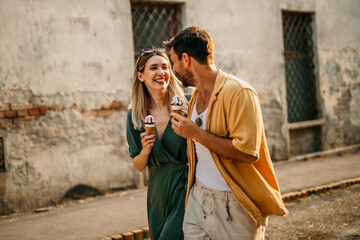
[{"x": 143, "y": 51}]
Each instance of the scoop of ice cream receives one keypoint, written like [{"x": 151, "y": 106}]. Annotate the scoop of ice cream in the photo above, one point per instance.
[
  {"x": 149, "y": 120},
  {"x": 176, "y": 101}
]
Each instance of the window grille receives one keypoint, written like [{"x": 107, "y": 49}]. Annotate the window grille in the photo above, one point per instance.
[
  {"x": 2, "y": 155},
  {"x": 153, "y": 23},
  {"x": 298, "y": 33}
]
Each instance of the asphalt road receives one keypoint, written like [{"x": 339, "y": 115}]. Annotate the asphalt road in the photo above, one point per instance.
[{"x": 92, "y": 218}]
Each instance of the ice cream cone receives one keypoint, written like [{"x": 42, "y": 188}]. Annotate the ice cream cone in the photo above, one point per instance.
[
  {"x": 149, "y": 123},
  {"x": 176, "y": 109},
  {"x": 176, "y": 105},
  {"x": 150, "y": 128}
]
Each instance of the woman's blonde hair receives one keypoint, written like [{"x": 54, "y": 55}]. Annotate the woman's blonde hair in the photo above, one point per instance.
[{"x": 140, "y": 96}]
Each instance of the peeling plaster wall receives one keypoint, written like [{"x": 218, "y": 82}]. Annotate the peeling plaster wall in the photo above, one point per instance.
[
  {"x": 249, "y": 44},
  {"x": 71, "y": 59},
  {"x": 340, "y": 92},
  {"x": 339, "y": 60}
]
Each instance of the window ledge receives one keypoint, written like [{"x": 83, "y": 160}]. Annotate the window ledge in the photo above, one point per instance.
[{"x": 306, "y": 124}]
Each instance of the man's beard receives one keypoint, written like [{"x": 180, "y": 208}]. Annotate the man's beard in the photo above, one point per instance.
[{"x": 187, "y": 79}]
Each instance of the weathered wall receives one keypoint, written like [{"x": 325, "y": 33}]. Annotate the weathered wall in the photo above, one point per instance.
[
  {"x": 248, "y": 43},
  {"x": 65, "y": 80},
  {"x": 339, "y": 61}
]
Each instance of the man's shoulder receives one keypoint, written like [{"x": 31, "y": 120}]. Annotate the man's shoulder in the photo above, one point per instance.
[{"x": 233, "y": 83}]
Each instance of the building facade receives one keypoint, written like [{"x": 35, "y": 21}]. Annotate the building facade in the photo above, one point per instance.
[{"x": 66, "y": 70}]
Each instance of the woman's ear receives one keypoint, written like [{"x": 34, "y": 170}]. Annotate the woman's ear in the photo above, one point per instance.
[{"x": 140, "y": 76}]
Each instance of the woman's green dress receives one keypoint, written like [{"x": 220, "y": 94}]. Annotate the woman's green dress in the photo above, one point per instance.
[{"x": 167, "y": 181}]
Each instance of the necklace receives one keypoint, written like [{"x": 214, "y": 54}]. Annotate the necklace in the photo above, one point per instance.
[{"x": 198, "y": 120}]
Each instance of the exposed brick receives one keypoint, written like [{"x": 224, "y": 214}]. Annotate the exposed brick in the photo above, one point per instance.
[
  {"x": 5, "y": 121},
  {"x": 76, "y": 108},
  {"x": 56, "y": 108},
  {"x": 10, "y": 114},
  {"x": 32, "y": 99},
  {"x": 43, "y": 110},
  {"x": 23, "y": 119},
  {"x": 117, "y": 105},
  {"x": 113, "y": 105},
  {"x": 89, "y": 114},
  {"x": 2, "y": 114},
  {"x": 106, "y": 106},
  {"x": 7, "y": 106},
  {"x": 15, "y": 107},
  {"x": 28, "y": 106},
  {"x": 104, "y": 113},
  {"x": 96, "y": 108},
  {"x": 34, "y": 112},
  {"x": 22, "y": 112}
]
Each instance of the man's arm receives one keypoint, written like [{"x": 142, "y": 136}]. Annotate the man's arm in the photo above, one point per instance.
[{"x": 222, "y": 146}]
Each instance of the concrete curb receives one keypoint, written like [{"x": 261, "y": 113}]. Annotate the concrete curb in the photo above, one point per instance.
[
  {"x": 137, "y": 234},
  {"x": 288, "y": 197},
  {"x": 143, "y": 234}
]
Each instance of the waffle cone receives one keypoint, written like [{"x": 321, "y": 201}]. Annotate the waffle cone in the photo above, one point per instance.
[
  {"x": 177, "y": 111},
  {"x": 150, "y": 130}
]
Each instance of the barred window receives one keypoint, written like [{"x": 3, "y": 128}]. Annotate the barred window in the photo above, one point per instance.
[
  {"x": 298, "y": 33},
  {"x": 2, "y": 156},
  {"x": 154, "y": 22}
]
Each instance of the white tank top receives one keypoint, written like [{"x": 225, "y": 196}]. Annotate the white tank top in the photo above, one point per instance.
[{"x": 206, "y": 171}]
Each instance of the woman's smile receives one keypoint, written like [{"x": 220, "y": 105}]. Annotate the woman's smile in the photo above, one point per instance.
[
  {"x": 156, "y": 73},
  {"x": 160, "y": 80}
]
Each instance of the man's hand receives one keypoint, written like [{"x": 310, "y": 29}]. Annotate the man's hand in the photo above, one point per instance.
[
  {"x": 184, "y": 126},
  {"x": 222, "y": 146}
]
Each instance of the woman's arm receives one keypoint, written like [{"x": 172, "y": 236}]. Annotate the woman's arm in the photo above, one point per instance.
[{"x": 141, "y": 160}]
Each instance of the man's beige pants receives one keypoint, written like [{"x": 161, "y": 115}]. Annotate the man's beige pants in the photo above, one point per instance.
[{"x": 212, "y": 214}]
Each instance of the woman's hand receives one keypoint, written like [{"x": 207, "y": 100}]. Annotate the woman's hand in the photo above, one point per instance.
[
  {"x": 141, "y": 160},
  {"x": 147, "y": 141}
]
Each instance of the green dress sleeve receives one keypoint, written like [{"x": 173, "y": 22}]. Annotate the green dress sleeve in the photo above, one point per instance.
[{"x": 133, "y": 137}]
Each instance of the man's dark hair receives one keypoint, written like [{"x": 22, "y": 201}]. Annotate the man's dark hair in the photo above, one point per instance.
[{"x": 194, "y": 41}]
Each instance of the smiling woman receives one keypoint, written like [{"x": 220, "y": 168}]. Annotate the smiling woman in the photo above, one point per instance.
[
  {"x": 164, "y": 153},
  {"x": 156, "y": 74},
  {"x": 152, "y": 64}
]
